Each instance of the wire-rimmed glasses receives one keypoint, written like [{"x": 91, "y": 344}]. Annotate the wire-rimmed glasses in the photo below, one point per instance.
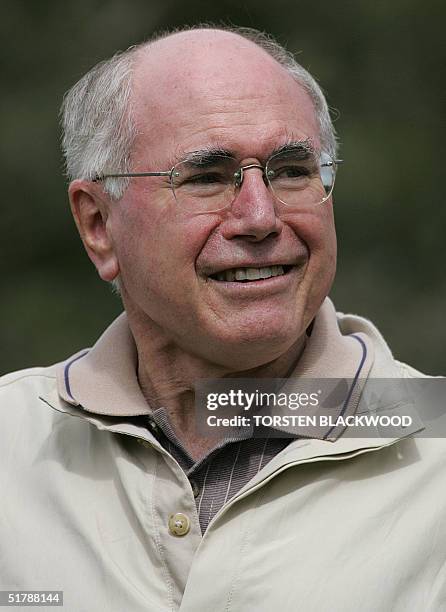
[{"x": 208, "y": 181}]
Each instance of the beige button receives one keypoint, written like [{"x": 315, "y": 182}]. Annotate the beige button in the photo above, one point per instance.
[{"x": 179, "y": 524}]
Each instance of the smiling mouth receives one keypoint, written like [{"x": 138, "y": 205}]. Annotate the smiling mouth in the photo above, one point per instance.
[{"x": 247, "y": 275}]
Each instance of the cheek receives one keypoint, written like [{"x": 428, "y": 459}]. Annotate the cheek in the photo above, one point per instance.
[
  {"x": 316, "y": 228},
  {"x": 159, "y": 245}
]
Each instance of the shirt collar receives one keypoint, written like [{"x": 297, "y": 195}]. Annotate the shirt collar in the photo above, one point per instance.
[{"x": 103, "y": 379}]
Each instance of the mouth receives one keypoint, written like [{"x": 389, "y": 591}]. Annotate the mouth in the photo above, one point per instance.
[{"x": 249, "y": 275}]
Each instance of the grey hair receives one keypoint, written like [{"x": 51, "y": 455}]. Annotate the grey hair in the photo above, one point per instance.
[
  {"x": 97, "y": 124},
  {"x": 97, "y": 121}
]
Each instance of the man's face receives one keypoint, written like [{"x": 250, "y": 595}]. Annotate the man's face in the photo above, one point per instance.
[{"x": 193, "y": 92}]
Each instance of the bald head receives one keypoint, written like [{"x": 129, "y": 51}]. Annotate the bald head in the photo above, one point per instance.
[
  {"x": 186, "y": 51},
  {"x": 209, "y": 81},
  {"x": 99, "y": 123},
  {"x": 203, "y": 58}
]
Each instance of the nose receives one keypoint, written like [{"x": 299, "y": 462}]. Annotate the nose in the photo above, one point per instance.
[{"x": 253, "y": 211}]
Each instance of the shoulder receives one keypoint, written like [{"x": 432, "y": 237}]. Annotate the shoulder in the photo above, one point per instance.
[
  {"x": 385, "y": 365},
  {"x": 25, "y": 421},
  {"x": 31, "y": 379},
  {"x": 21, "y": 406},
  {"x": 27, "y": 374}
]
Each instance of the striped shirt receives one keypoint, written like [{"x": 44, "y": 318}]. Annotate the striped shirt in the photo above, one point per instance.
[{"x": 223, "y": 471}]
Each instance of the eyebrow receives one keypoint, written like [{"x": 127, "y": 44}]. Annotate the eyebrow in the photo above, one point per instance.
[
  {"x": 303, "y": 148},
  {"x": 209, "y": 155}
]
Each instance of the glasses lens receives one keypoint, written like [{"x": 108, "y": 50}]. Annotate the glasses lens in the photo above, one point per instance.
[
  {"x": 205, "y": 184},
  {"x": 301, "y": 178}
]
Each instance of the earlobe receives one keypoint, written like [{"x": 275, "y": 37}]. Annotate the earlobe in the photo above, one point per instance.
[{"x": 90, "y": 211}]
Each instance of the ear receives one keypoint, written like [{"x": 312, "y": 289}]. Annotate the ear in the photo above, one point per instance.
[{"x": 90, "y": 208}]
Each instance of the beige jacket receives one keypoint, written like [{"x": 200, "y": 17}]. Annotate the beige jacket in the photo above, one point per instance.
[{"x": 87, "y": 492}]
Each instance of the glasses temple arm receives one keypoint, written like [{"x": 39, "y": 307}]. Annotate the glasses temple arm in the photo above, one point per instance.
[{"x": 102, "y": 177}]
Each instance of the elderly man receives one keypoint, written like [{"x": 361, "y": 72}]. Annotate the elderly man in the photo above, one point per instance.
[{"x": 202, "y": 167}]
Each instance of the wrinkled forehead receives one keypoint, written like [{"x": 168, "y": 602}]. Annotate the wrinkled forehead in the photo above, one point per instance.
[{"x": 220, "y": 78}]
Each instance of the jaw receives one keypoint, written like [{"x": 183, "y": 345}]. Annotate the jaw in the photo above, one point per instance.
[
  {"x": 229, "y": 325},
  {"x": 252, "y": 323}
]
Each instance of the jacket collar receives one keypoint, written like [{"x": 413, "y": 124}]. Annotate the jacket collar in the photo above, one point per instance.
[
  {"x": 103, "y": 380},
  {"x": 101, "y": 385}
]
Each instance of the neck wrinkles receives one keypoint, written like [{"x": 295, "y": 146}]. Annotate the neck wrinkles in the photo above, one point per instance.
[{"x": 167, "y": 374}]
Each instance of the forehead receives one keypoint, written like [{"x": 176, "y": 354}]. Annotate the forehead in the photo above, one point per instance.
[{"x": 205, "y": 88}]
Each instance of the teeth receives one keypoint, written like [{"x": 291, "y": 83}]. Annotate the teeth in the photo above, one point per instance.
[
  {"x": 253, "y": 273},
  {"x": 249, "y": 274},
  {"x": 267, "y": 272}
]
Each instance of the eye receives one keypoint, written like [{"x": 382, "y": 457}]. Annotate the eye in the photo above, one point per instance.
[
  {"x": 204, "y": 178},
  {"x": 199, "y": 182},
  {"x": 290, "y": 171}
]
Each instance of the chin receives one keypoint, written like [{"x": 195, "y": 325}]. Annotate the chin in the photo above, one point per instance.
[{"x": 248, "y": 347}]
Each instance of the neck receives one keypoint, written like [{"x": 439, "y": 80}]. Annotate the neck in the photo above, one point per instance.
[{"x": 167, "y": 375}]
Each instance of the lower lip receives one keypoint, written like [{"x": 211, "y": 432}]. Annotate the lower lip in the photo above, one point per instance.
[{"x": 262, "y": 285}]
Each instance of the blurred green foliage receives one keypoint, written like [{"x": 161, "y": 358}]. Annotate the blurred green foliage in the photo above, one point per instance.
[{"x": 381, "y": 64}]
